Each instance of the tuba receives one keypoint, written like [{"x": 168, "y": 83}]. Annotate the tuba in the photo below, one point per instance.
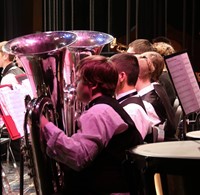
[
  {"x": 49, "y": 60},
  {"x": 87, "y": 43},
  {"x": 42, "y": 56}
]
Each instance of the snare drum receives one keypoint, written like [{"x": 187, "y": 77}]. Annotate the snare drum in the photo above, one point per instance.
[
  {"x": 193, "y": 135},
  {"x": 180, "y": 158},
  {"x": 173, "y": 150}
]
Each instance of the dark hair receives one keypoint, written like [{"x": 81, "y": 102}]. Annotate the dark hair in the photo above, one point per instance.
[
  {"x": 99, "y": 70},
  {"x": 161, "y": 39},
  {"x": 128, "y": 63}
]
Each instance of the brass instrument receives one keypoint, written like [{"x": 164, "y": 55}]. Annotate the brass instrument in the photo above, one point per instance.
[
  {"x": 49, "y": 60},
  {"x": 87, "y": 43},
  {"x": 118, "y": 46},
  {"x": 42, "y": 56}
]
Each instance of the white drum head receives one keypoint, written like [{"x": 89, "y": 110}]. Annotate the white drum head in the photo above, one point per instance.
[{"x": 193, "y": 134}]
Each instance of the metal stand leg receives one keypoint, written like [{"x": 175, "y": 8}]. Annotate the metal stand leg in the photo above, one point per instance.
[
  {"x": 22, "y": 174},
  {"x": 6, "y": 182},
  {"x": 8, "y": 152},
  {"x": 14, "y": 161}
]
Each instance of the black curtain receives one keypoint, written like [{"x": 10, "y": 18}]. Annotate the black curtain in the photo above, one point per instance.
[{"x": 16, "y": 18}]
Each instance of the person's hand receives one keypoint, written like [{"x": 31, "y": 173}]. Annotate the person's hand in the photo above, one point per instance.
[{"x": 43, "y": 121}]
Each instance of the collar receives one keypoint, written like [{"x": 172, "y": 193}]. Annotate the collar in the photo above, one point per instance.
[
  {"x": 126, "y": 95},
  {"x": 146, "y": 90},
  {"x": 7, "y": 68}
]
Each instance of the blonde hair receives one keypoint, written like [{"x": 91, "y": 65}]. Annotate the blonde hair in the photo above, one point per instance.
[
  {"x": 2, "y": 44},
  {"x": 158, "y": 63},
  {"x": 10, "y": 56},
  {"x": 163, "y": 48}
]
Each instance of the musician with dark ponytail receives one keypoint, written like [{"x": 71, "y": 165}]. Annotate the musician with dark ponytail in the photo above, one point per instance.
[{"x": 94, "y": 158}]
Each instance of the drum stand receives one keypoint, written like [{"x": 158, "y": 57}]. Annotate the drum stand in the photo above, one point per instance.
[
  {"x": 183, "y": 128},
  {"x": 22, "y": 174}
]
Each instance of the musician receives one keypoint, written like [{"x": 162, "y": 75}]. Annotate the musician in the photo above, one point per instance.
[
  {"x": 8, "y": 76},
  {"x": 139, "y": 46},
  {"x": 94, "y": 157},
  {"x": 9, "y": 67},
  {"x": 165, "y": 49},
  {"x": 151, "y": 66},
  {"x": 126, "y": 94}
]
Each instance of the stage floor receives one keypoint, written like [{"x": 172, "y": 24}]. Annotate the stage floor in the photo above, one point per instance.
[{"x": 11, "y": 180}]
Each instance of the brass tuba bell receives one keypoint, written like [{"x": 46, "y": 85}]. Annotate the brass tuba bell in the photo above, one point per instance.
[
  {"x": 87, "y": 43},
  {"x": 49, "y": 60}
]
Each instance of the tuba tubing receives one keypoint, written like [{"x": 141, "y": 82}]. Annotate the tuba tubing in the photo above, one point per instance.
[
  {"x": 45, "y": 171},
  {"x": 50, "y": 60}
]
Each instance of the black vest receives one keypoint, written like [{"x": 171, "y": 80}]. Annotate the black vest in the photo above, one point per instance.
[
  {"x": 107, "y": 173},
  {"x": 133, "y": 99},
  {"x": 137, "y": 100},
  {"x": 9, "y": 69},
  {"x": 160, "y": 101},
  {"x": 170, "y": 128}
]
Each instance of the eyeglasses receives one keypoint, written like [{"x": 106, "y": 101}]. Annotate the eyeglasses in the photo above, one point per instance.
[{"x": 147, "y": 61}]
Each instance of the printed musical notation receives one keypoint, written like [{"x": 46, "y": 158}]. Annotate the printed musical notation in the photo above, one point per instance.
[
  {"x": 12, "y": 107},
  {"x": 184, "y": 80}
]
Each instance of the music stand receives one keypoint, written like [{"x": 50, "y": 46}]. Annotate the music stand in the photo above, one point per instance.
[{"x": 185, "y": 84}]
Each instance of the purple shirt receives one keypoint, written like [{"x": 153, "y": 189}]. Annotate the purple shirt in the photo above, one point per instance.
[{"x": 96, "y": 127}]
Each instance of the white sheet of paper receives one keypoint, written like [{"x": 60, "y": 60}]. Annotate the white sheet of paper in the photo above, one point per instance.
[{"x": 184, "y": 80}]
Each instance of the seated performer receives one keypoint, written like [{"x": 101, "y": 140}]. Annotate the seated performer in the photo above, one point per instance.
[
  {"x": 94, "y": 157},
  {"x": 139, "y": 46},
  {"x": 151, "y": 66},
  {"x": 126, "y": 94},
  {"x": 8, "y": 76},
  {"x": 165, "y": 49},
  {"x": 10, "y": 68}
]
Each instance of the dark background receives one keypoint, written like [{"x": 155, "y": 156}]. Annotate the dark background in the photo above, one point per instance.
[{"x": 179, "y": 20}]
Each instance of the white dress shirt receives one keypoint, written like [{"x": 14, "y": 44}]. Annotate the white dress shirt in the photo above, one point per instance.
[
  {"x": 138, "y": 115},
  {"x": 9, "y": 78},
  {"x": 149, "y": 107}
]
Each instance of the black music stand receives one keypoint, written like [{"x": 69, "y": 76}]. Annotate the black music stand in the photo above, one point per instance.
[{"x": 185, "y": 84}]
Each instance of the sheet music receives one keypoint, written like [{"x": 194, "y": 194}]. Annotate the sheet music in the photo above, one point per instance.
[
  {"x": 12, "y": 104},
  {"x": 184, "y": 80}
]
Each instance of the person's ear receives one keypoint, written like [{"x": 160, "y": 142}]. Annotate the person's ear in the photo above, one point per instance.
[
  {"x": 93, "y": 87},
  {"x": 151, "y": 67},
  {"x": 122, "y": 76}
]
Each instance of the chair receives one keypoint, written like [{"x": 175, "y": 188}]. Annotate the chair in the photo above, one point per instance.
[
  {"x": 194, "y": 121},
  {"x": 6, "y": 141},
  {"x": 178, "y": 115},
  {"x": 176, "y": 104},
  {"x": 5, "y": 190},
  {"x": 178, "y": 118},
  {"x": 158, "y": 133}
]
